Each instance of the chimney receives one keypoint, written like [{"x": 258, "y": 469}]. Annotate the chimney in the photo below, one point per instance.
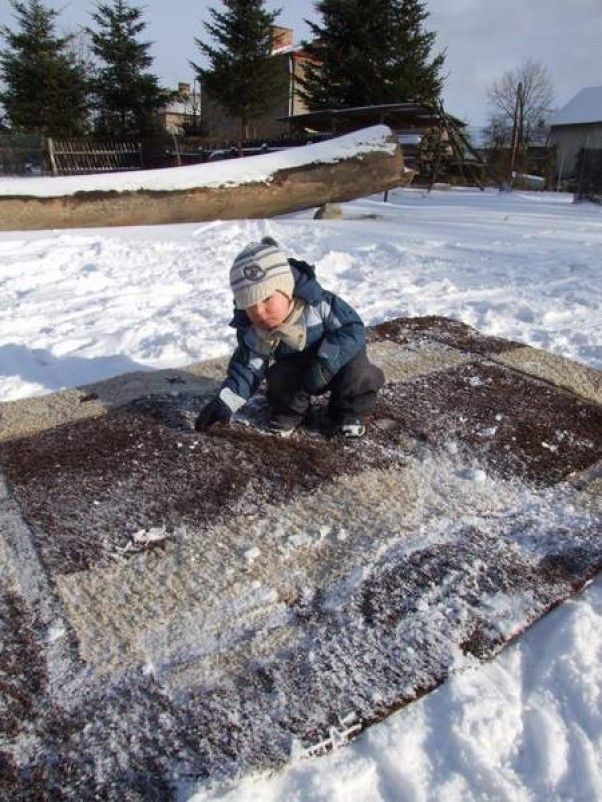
[{"x": 283, "y": 37}]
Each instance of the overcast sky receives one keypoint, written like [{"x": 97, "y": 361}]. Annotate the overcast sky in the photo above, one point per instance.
[{"x": 482, "y": 39}]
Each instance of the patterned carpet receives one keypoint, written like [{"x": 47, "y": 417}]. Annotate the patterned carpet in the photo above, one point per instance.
[{"x": 182, "y": 607}]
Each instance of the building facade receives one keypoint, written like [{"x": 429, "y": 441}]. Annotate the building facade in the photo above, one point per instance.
[
  {"x": 577, "y": 126},
  {"x": 183, "y": 114}
]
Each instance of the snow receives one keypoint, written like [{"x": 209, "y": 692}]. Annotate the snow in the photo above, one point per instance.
[
  {"x": 585, "y": 107},
  {"x": 526, "y": 727},
  {"x": 233, "y": 173},
  {"x": 78, "y": 306}
]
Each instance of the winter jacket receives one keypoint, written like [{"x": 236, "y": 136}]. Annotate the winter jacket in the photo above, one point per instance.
[{"x": 334, "y": 335}]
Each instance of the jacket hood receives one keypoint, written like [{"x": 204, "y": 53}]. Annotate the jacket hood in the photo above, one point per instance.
[{"x": 306, "y": 285}]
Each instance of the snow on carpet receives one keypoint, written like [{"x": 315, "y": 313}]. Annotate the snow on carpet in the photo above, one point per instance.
[
  {"x": 255, "y": 598},
  {"x": 80, "y": 307}
]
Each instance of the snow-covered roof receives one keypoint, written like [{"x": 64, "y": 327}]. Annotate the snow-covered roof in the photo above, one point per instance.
[
  {"x": 287, "y": 49},
  {"x": 177, "y": 107},
  {"x": 585, "y": 107}
]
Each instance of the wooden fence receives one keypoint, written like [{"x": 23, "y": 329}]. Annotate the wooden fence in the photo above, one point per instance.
[
  {"x": 84, "y": 156},
  {"x": 36, "y": 155}
]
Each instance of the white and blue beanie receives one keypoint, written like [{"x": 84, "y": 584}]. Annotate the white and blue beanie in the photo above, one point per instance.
[{"x": 258, "y": 271}]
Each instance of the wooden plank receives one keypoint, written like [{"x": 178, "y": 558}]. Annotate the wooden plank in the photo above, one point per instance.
[{"x": 81, "y": 156}]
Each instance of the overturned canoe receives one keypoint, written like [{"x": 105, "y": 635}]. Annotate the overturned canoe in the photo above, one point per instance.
[{"x": 341, "y": 169}]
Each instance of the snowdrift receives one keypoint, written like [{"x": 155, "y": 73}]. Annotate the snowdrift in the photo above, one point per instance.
[{"x": 188, "y": 607}]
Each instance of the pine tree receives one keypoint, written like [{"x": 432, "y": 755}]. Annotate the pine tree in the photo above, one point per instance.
[
  {"x": 127, "y": 96},
  {"x": 368, "y": 52},
  {"x": 241, "y": 76},
  {"x": 45, "y": 89}
]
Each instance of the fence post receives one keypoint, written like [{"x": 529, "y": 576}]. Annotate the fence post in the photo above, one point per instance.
[
  {"x": 51, "y": 159},
  {"x": 581, "y": 177},
  {"x": 177, "y": 150},
  {"x": 560, "y": 169}
]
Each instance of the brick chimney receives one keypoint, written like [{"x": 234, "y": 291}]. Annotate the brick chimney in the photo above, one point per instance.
[{"x": 283, "y": 37}]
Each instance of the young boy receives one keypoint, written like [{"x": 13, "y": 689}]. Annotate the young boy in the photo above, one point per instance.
[{"x": 304, "y": 340}]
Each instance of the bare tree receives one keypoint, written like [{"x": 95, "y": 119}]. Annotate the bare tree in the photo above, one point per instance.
[{"x": 522, "y": 99}]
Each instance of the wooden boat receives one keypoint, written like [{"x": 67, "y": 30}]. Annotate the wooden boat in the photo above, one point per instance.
[{"x": 340, "y": 169}]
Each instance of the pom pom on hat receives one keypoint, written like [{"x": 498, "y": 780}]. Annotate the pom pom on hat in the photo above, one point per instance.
[{"x": 258, "y": 271}]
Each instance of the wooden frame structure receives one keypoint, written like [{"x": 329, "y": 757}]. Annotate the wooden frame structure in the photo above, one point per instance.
[{"x": 85, "y": 156}]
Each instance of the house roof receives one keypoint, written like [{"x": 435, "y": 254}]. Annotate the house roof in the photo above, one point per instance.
[
  {"x": 396, "y": 115},
  {"x": 177, "y": 107},
  {"x": 585, "y": 107}
]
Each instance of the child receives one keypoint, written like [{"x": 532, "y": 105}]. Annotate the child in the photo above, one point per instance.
[{"x": 304, "y": 340}]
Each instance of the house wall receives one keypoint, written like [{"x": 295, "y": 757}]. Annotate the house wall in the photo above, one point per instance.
[
  {"x": 297, "y": 104},
  {"x": 172, "y": 122},
  {"x": 569, "y": 139}
]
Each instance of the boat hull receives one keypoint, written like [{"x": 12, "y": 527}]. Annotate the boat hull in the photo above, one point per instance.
[{"x": 287, "y": 190}]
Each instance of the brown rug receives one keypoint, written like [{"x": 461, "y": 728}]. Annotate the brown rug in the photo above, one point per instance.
[{"x": 204, "y": 605}]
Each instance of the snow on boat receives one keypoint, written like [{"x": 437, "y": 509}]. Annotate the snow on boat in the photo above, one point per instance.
[{"x": 340, "y": 169}]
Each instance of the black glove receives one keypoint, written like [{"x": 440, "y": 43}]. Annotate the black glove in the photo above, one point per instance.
[
  {"x": 216, "y": 411},
  {"x": 316, "y": 378}
]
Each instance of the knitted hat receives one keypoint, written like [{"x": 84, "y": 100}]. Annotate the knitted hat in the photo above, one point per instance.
[{"x": 258, "y": 271}]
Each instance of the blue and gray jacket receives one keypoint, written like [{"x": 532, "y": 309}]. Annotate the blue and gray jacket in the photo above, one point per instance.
[{"x": 335, "y": 334}]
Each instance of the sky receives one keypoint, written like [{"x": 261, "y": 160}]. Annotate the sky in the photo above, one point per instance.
[{"x": 482, "y": 40}]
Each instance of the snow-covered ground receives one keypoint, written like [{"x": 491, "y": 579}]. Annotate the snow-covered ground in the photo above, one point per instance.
[
  {"x": 526, "y": 727},
  {"x": 78, "y": 306}
]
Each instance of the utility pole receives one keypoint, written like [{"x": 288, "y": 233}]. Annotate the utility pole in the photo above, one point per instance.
[{"x": 517, "y": 129}]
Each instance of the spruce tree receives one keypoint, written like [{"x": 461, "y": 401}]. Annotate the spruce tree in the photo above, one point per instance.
[
  {"x": 241, "y": 77},
  {"x": 127, "y": 97},
  {"x": 45, "y": 89},
  {"x": 370, "y": 52}
]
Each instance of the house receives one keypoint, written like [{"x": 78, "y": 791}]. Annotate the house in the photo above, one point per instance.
[
  {"x": 289, "y": 114},
  {"x": 290, "y": 62},
  {"x": 184, "y": 111},
  {"x": 577, "y": 125}
]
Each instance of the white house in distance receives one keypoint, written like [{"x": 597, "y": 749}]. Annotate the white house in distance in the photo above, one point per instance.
[
  {"x": 577, "y": 125},
  {"x": 185, "y": 107}
]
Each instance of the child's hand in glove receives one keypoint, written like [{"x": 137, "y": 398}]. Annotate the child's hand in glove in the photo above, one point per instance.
[{"x": 216, "y": 411}]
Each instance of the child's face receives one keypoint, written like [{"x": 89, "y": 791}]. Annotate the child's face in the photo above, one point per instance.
[{"x": 271, "y": 312}]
